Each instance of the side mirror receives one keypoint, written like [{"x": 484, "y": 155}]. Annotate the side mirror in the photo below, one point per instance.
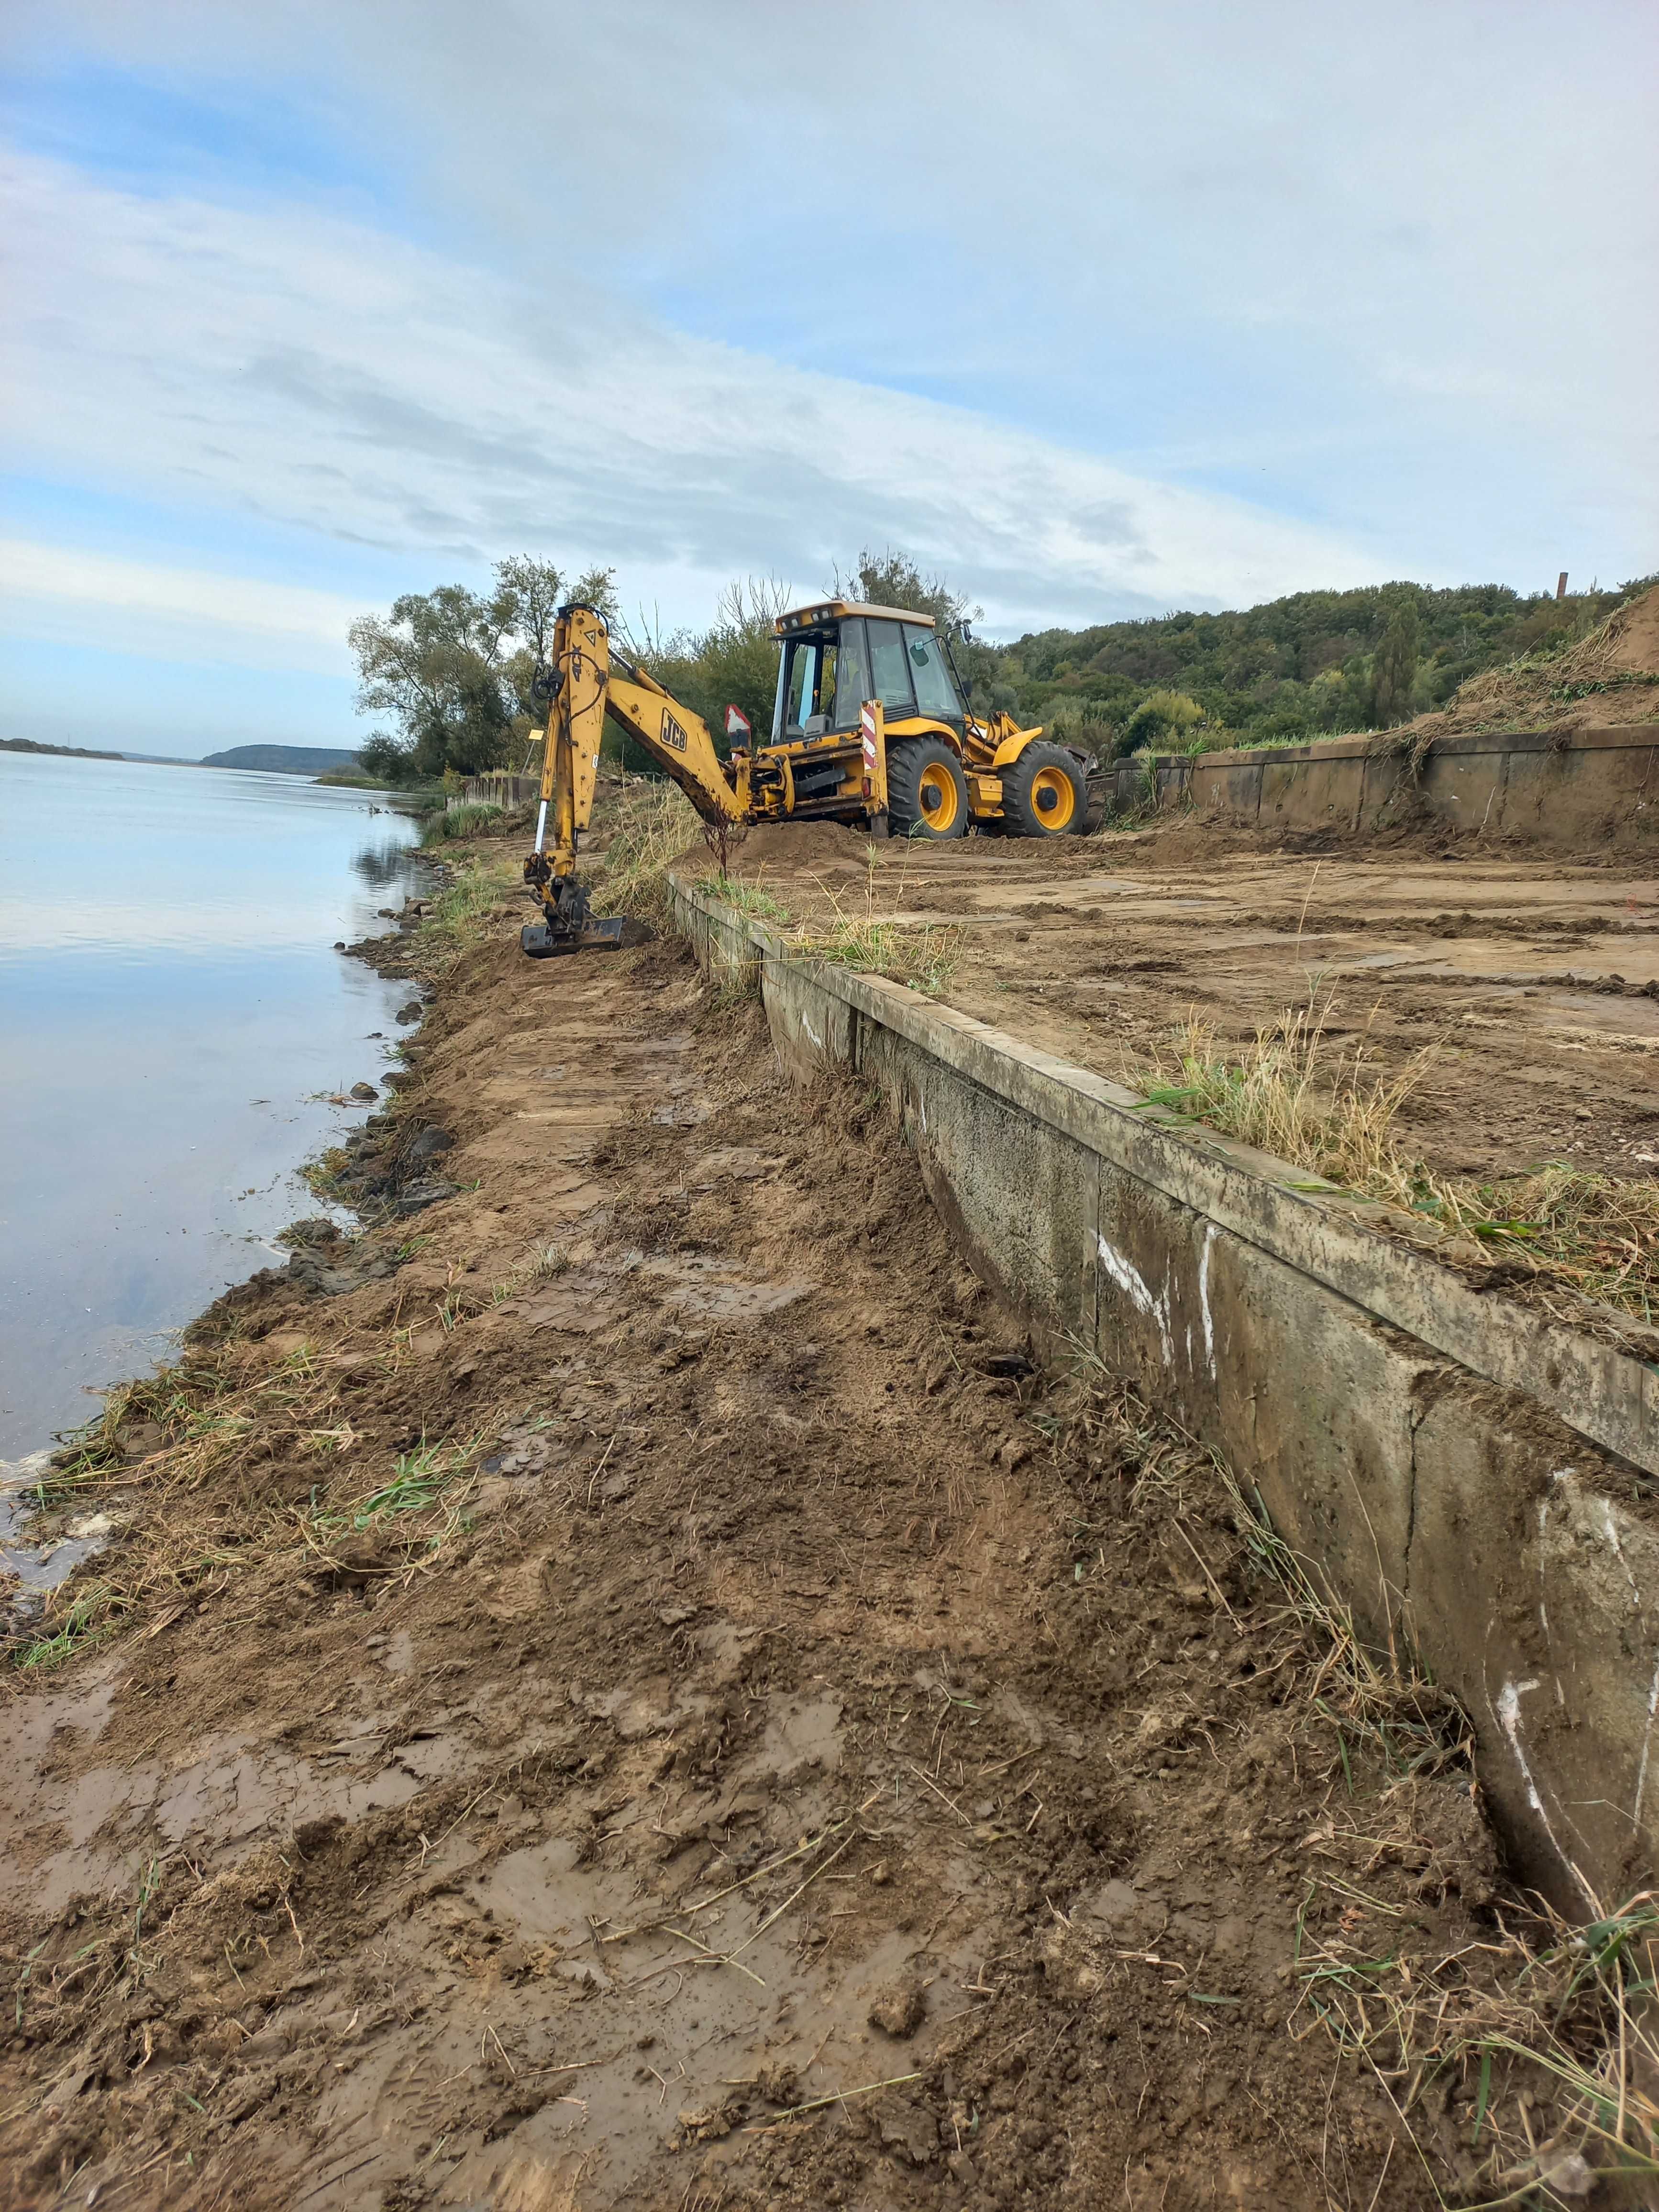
[{"x": 737, "y": 725}]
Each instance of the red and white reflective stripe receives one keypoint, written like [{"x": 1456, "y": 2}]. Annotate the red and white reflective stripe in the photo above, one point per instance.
[{"x": 867, "y": 729}]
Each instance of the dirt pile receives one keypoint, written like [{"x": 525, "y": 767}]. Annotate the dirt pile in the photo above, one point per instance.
[
  {"x": 1611, "y": 677},
  {"x": 1629, "y": 638},
  {"x": 649, "y": 1697}
]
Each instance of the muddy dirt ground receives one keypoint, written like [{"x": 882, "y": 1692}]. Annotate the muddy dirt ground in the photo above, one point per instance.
[
  {"x": 1535, "y": 981},
  {"x": 633, "y": 1690}
]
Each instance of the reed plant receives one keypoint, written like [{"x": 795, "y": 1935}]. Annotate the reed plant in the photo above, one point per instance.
[{"x": 650, "y": 825}]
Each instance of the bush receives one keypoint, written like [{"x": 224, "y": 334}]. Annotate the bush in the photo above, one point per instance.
[{"x": 1163, "y": 719}]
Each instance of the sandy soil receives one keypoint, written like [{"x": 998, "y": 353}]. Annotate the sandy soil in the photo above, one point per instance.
[
  {"x": 789, "y": 1690},
  {"x": 1536, "y": 981}
]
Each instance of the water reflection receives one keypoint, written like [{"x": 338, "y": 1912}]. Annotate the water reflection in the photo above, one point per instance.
[
  {"x": 383, "y": 865},
  {"x": 168, "y": 1032}
]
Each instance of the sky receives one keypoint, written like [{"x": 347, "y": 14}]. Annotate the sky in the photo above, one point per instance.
[{"x": 1098, "y": 310}]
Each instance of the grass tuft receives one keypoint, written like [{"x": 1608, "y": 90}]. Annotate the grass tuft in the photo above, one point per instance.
[
  {"x": 866, "y": 936},
  {"x": 90, "y": 1615},
  {"x": 465, "y": 911},
  {"x": 1296, "y": 1093},
  {"x": 463, "y": 817}
]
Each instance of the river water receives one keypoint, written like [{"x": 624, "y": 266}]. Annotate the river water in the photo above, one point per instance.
[{"x": 172, "y": 1013}]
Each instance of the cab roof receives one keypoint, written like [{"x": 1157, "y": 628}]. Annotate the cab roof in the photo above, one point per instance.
[{"x": 825, "y": 611}]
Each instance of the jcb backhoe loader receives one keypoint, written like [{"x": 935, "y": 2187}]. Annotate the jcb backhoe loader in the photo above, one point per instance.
[{"x": 868, "y": 728}]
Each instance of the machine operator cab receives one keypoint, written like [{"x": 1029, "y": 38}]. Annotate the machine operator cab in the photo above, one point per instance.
[
  {"x": 837, "y": 655},
  {"x": 836, "y": 658}
]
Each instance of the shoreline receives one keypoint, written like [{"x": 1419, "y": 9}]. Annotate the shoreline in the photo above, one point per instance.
[
  {"x": 669, "y": 1533},
  {"x": 386, "y": 954}
]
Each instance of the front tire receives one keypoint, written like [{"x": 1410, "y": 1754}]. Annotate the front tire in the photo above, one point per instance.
[
  {"x": 926, "y": 790},
  {"x": 1043, "y": 793}
]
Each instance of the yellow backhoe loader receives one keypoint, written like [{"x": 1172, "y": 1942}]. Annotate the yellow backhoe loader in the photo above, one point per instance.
[{"x": 869, "y": 728}]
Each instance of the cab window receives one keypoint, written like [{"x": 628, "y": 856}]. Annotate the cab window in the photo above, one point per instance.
[
  {"x": 890, "y": 668},
  {"x": 800, "y": 685},
  {"x": 936, "y": 695},
  {"x": 852, "y": 676}
]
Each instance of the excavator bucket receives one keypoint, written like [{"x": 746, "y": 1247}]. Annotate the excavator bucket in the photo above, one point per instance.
[
  {"x": 570, "y": 924},
  {"x": 541, "y": 943}
]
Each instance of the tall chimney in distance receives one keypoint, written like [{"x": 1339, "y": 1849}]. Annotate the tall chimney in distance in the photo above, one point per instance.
[{"x": 1561, "y": 585}]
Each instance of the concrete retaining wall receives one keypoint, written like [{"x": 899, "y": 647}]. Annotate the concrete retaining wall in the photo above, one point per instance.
[
  {"x": 1577, "y": 790},
  {"x": 1463, "y": 1471},
  {"x": 501, "y": 789}
]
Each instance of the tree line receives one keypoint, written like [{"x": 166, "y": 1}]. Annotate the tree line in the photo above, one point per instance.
[{"x": 450, "y": 670}]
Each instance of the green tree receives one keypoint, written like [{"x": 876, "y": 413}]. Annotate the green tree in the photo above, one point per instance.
[
  {"x": 892, "y": 579},
  {"x": 452, "y": 668},
  {"x": 733, "y": 663},
  {"x": 1393, "y": 672}
]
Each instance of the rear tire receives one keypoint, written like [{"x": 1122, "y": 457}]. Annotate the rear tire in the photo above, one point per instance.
[
  {"x": 1044, "y": 794},
  {"x": 926, "y": 790}
]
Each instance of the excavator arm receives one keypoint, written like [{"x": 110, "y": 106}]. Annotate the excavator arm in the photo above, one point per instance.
[{"x": 585, "y": 681}]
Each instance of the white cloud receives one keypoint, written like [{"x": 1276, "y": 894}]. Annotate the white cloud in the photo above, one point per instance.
[
  {"x": 75, "y": 597},
  {"x": 1415, "y": 241},
  {"x": 315, "y": 373}
]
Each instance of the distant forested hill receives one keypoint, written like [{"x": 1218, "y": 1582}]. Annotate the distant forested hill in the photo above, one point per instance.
[
  {"x": 1305, "y": 666},
  {"x": 283, "y": 760},
  {"x": 67, "y": 752}
]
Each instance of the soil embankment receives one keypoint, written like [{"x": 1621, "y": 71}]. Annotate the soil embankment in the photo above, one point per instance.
[
  {"x": 625, "y": 1685},
  {"x": 1608, "y": 678}
]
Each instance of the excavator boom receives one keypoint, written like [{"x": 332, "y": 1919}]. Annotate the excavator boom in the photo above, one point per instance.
[{"x": 585, "y": 681}]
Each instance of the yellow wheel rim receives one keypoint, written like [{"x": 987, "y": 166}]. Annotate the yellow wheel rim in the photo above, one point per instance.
[
  {"x": 936, "y": 789},
  {"x": 1054, "y": 797}
]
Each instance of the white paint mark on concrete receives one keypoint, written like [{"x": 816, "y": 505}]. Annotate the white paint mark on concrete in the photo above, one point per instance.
[
  {"x": 812, "y": 1032},
  {"x": 1611, "y": 1527},
  {"x": 1204, "y": 1300},
  {"x": 1543, "y": 1617},
  {"x": 1509, "y": 1719},
  {"x": 1647, "y": 1746},
  {"x": 1130, "y": 1280}
]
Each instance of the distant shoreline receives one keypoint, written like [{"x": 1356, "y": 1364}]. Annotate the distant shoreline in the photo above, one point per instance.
[
  {"x": 316, "y": 764},
  {"x": 68, "y": 752}
]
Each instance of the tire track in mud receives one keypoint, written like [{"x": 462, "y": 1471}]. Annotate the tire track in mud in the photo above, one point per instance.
[{"x": 793, "y": 1762}]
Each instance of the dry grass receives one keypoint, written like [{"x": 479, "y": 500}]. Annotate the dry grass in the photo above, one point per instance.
[
  {"x": 1295, "y": 1093},
  {"x": 1540, "y": 2033},
  {"x": 650, "y": 826},
  {"x": 859, "y": 931},
  {"x": 482, "y": 891},
  {"x": 1521, "y": 2053},
  {"x": 1542, "y": 688},
  {"x": 924, "y": 958},
  {"x": 1385, "y": 1699},
  {"x": 462, "y": 818},
  {"x": 181, "y": 1459},
  {"x": 409, "y": 1518}
]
